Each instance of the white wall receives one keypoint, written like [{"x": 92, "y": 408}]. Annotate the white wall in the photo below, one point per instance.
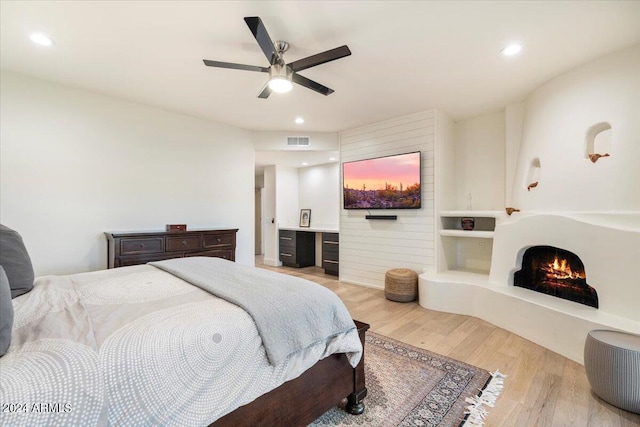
[
  {"x": 287, "y": 189},
  {"x": 368, "y": 248},
  {"x": 319, "y": 190},
  {"x": 480, "y": 162},
  {"x": 269, "y": 225},
  {"x": 75, "y": 164},
  {"x": 445, "y": 184},
  {"x": 514, "y": 120},
  {"x": 557, "y": 118}
]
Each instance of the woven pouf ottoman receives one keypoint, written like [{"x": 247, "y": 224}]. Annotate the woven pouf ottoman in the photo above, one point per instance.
[
  {"x": 401, "y": 285},
  {"x": 612, "y": 362}
]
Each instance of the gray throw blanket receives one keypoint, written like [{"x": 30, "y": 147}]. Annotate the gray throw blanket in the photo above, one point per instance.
[{"x": 290, "y": 313}]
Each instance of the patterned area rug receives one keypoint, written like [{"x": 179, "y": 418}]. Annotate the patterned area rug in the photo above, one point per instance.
[{"x": 409, "y": 386}]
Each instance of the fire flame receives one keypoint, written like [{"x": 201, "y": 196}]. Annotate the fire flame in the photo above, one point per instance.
[{"x": 560, "y": 269}]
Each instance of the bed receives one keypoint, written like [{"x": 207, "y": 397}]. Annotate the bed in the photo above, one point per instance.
[{"x": 152, "y": 345}]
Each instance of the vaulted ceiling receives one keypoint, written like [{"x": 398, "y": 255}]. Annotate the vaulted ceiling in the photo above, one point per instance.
[{"x": 406, "y": 56}]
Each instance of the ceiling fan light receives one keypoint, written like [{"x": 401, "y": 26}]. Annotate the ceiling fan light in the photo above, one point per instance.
[{"x": 280, "y": 84}]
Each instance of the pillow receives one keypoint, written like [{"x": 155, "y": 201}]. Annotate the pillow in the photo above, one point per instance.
[
  {"x": 15, "y": 260},
  {"x": 6, "y": 312}
]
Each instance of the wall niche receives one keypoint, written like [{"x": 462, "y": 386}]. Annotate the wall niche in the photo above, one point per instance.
[{"x": 599, "y": 141}]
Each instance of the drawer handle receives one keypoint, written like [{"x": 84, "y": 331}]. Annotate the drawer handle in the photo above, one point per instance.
[
  {"x": 329, "y": 261},
  {"x": 282, "y": 254},
  {"x": 184, "y": 243},
  {"x": 330, "y": 243},
  {"x": 218, "y": 239},
  {"x": 286, "y": 238},
  {"x": 142, "y": 245}
]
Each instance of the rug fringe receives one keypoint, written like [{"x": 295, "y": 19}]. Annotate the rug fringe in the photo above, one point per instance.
[{"x": 476, "y": 412}]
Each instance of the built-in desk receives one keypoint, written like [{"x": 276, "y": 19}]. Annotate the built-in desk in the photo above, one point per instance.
[{"x": 298, "y": 248}]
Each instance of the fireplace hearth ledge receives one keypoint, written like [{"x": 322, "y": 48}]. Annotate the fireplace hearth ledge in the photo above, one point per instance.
[{"x": 554, "y": 323}]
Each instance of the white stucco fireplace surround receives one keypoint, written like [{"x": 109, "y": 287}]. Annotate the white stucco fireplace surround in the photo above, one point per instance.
[{"x": 607, "y": 243}]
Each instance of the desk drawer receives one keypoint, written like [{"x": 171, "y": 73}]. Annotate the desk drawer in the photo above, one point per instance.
[
  {"x": 330, "y": 256},
  {"x": 288, "y": 255},
  {"x": 183, "y": 243},
  {"x": 330, "y": 246},
  {"x": 141, "y": 246},
  {"x": 287, "y": 238},
  {"x": 330, "y": 237}
]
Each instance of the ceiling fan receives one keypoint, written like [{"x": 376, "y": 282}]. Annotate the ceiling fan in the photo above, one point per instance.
[{"x": 282, "y": 74}]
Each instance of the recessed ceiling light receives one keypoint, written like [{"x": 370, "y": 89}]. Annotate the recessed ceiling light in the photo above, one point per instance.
[
  {"x": 331, "y": 159},
  {"x": 305, "y": 164},
  {"x": 299, "y": 120},
  {"x": 512, "y": 49},
  {"x": 41, "y": 39}
]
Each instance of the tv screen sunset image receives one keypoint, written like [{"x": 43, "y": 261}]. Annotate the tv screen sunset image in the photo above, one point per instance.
[{"x": 391, "y": 182}]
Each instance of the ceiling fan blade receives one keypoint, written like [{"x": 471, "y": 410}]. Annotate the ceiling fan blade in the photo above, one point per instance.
[
  {"x": 320, "y": 58},
  {"x": 210, "y": 63},
  {"x": 266, "y": 91},
  {"x": 262, "y": 37},
  {"x": 310, "y": 84}
]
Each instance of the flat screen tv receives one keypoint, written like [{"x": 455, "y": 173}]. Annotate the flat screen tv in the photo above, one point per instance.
[{"x": 390, "y": 182}]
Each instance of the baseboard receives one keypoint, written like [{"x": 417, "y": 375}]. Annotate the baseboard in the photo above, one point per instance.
[
  {"x": 272, "y": 262},
  {"x": 364, "y": 285}
]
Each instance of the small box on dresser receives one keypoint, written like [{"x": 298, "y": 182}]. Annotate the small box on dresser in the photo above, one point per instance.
[
  {"x": 331, "y": 253},
  {"x": 140, "y": 247}
]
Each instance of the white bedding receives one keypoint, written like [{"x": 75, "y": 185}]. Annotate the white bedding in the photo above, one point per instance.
[{"x": 137, "y": 346}]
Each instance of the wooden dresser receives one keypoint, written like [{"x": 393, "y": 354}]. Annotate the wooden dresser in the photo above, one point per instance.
[{"x": 131, "y": 248}]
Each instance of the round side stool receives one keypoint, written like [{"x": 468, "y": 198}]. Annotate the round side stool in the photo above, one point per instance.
[
  {"x": 612, "y": 362},
  {"x": 401, "y": 285}
]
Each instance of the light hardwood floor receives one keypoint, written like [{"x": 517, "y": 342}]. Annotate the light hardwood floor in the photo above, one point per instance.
[{"x": 542, "y": 389}]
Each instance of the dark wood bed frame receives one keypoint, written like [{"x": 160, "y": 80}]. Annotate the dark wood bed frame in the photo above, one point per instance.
[{"x": 300, "y": 401}]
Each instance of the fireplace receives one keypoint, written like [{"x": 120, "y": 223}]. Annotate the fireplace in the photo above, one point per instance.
[{"x": 556, "y": 272}]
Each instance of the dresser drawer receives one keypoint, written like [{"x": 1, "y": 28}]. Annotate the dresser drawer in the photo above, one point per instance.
[
  {"x": 218, "y": 239},
  {"x": 136, "y": 260},
  {"x": 183, "y": 243},
  {"x": 227, "y": 254},
  {"x": 141, "y": 246}
]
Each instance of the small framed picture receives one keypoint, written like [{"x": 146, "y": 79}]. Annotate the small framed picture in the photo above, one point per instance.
[{"x": 305, "y": 217}]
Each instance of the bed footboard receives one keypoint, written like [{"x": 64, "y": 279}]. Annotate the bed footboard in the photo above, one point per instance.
[{"x": 300, "y": 401}]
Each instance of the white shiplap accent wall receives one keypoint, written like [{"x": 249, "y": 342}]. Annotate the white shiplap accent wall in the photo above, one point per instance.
[{"x": 368, "y": 248}]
